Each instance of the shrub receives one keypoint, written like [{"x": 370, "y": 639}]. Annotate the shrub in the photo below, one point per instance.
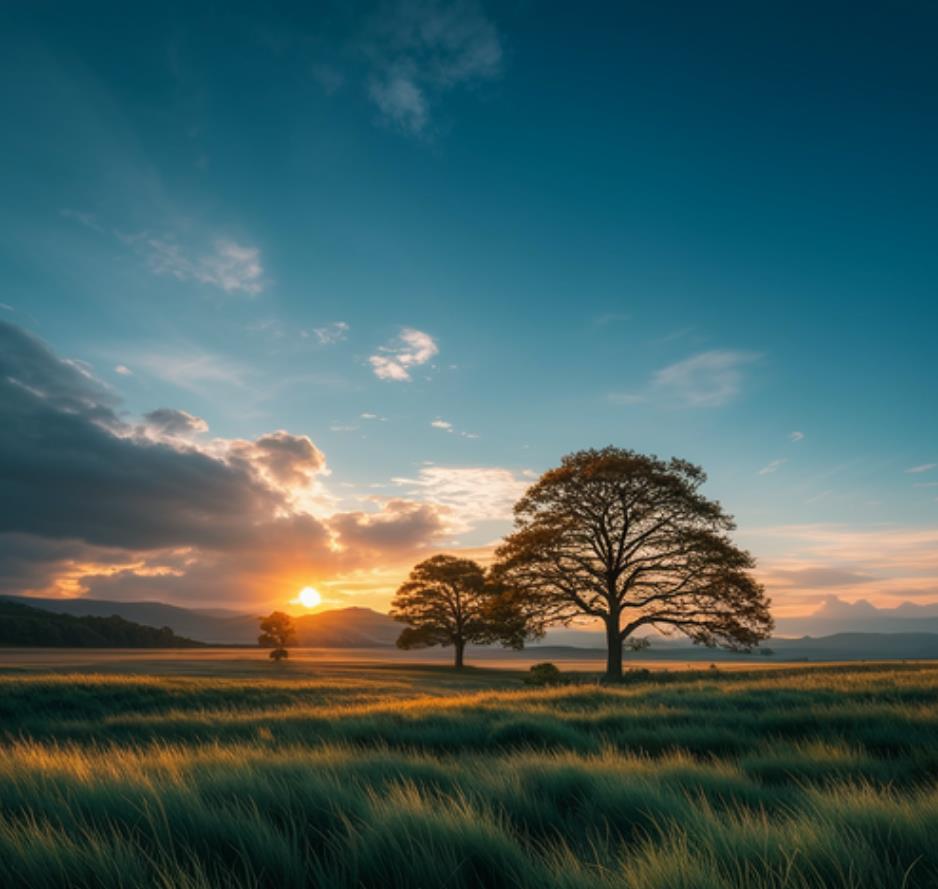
[{"x": 544, "y": 674}]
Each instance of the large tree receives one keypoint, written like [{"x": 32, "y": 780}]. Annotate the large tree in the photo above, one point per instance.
[
  {"x": 629, "y": 539},
  {"x": 449, "y": 601}
]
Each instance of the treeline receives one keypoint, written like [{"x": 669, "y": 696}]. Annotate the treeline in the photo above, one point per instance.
[{"x": 23, "y": 625}]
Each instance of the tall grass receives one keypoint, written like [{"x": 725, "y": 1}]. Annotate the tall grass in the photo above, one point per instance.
[{"x": 802, "y": 778}]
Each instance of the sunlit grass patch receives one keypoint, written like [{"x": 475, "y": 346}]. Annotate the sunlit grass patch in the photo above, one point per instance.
[{"x": 800, "y": 779}]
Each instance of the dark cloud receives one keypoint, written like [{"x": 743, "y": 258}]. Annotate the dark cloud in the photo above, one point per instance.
[
  {"x": 170, "y": 421},
  {"x": 290, "y": 459},
  {"x": 400, "y": 525},
  {"x": 821, "y": 577},
  {"x": 88, "y": 502}
]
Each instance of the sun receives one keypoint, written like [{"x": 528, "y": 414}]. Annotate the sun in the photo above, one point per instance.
[{"x": 309, "y": 597}]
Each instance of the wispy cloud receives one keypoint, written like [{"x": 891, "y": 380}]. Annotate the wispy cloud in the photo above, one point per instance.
[
  {"x": 446, "y": 426},
  {"x": 229, "y": 266},
  {"x": 925, "y": 467},
  {"x": 608, "y": 318},
  {"x": 709, "y": 379},
  {"x": 88, "y": 220},
  {"x": 123, "y": 370},
  {"x": 331, "y": 333},
  {"x": 796, "y": 436},
  {"x": 472, "y": 493},
  {"x": 884, "y": 562},
  {"x": 773, "y": 466},
  {"x": 192, "y": 371},
  {"x": 410, "y": 349},
  {"x": 420, "y": 49}
]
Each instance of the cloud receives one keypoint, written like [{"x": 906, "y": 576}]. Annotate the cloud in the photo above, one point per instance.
[
  {"x": 885, "y": 563},
  {"x": 710, "y": 379},
  {"x": 411, "y": 349},
  {"x": 771, "y": 467},
  {"x": 399, "y": 525},
  {"x": 123, "y": 370},
  {"x": 172, "y": 422},
  {"x": 472, "y": 494},
  {"x": 925, "y": 467},
  {"x": 230, "y": 267},
  {"x": 822, "y": 576},
  {"x": 96, "y": 505},
  {"x": 88, "y": 220},
  {"x": 400, "y": 100},
  {"x": 192, "y": 370},
  {"x": 331, "y": 333},
  {"x": 796, "y": 436},
  {"x": 90, "y": 478},
  {"x": 370, "y": 416},
  {"x": 287, "y": 460},
  {"x": 446, "y": 426},
  {"x": 420, "y": 49},
  {"x": 608, "y": 318}
]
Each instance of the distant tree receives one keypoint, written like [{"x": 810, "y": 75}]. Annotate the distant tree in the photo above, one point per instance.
[
  {"x": 449, "y": 601},
  {"x": 277, "y": 632},
  {"x": 630, "y": 540}
]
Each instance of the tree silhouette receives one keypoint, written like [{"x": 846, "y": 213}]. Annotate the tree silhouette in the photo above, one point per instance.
[
  {"x": 277, "y": 632},
  {"x": 448, "y": 601},
  {"x": 630, "y": 540}
]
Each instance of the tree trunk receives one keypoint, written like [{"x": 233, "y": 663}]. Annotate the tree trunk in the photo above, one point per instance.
[
  {"x": 460, "y": 647},
  {"x": 613, "y": 648}
]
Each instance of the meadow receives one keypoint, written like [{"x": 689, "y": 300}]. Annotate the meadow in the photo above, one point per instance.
[{"x": 344, "y": 775}]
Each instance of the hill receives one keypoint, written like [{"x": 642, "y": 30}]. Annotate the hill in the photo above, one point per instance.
[
  {"x": 835, "y": 615},
  {"x": 22, "y": 625},
  {"x": 347, "y": 628},
  {"x": 338, "y": 628}
]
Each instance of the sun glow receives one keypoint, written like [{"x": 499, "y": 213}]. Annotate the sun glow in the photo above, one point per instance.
[{"x": 309, "y": 597}]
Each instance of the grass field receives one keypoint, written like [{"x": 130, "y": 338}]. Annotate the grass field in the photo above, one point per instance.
[{"x": 337, "y": 775}]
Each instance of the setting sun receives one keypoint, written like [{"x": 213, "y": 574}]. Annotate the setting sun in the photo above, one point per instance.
[{"x": 309, "y": 597}]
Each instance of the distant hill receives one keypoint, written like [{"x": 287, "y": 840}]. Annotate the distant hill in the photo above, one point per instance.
[
  {"x": 206, "y": 626},
  {"x": 366, "y": 628},
  {"x": 22, "y": 625},
  {"x": 339, "y": 628},
  {"x": 347, "y": 628},
  {"x": 837, "y": 616}
]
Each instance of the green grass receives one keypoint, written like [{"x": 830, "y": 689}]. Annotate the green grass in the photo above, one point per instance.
[{"x": 801, "y": 777}]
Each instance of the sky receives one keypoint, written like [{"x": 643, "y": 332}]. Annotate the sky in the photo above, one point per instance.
[{"x": 298, "y": 295}]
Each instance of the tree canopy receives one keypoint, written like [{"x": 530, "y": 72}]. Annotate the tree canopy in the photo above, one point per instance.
[
  {"x": 450, "y": 601},
  {"x": 277, "y": 632},
  {"x": 630, "y": 539}
]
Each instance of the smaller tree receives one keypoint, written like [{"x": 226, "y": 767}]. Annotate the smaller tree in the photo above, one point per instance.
[
  {"x": 277, "y": 632},
  {"x": 449, "y": 601}
]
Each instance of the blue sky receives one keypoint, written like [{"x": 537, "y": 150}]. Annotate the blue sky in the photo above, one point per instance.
[{"x": 700, "y": 232}]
